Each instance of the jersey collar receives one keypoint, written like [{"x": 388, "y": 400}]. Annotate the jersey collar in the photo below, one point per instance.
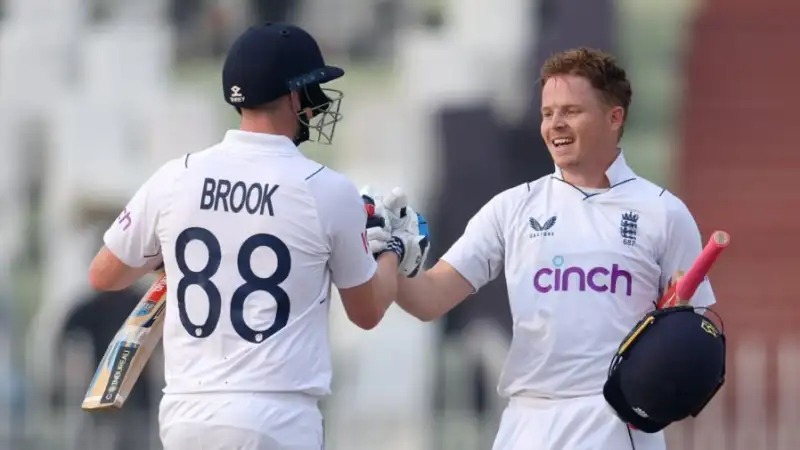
[
  {"x": 272, "y": 144},
  {"x": 617, "y": 173}
]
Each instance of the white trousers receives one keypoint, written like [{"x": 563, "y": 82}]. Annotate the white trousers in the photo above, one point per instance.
[
  {"x": 584, "y": 423},
  {"x": 240, "y": 422}
]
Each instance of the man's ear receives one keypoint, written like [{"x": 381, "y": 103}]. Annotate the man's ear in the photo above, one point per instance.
[{"x": 617, "y": 117}]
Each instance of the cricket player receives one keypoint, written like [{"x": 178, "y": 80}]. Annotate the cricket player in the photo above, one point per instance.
[
  {"x": 251, "y": 235},
  {"x": 586, "y": 251}
]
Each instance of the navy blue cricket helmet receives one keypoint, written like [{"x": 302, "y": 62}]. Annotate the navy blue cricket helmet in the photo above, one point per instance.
[
  {"x": 668, "y": 368},
  {"x": 271, "y": 60}
]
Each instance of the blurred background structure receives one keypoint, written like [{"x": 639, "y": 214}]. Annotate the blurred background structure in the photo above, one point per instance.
[{"x": 441, "y": 98}]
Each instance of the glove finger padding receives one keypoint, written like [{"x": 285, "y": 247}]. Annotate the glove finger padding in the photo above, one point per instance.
[
  {"x": 378, "y": 231},
  {"x": 396, "y": 203},
  {"x": 415, "y": 238},
  {"x": 377, "y": 239}
]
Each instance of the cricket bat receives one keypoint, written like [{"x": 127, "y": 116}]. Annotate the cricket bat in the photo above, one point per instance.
[
  {"x": 680, "y": 292},
  {"x": 129, "y": 351}
]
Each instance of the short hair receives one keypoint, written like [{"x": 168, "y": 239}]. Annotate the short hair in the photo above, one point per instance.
[{"x": 600, "y": 68}]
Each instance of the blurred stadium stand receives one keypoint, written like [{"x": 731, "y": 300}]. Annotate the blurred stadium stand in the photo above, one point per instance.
[{"x": 441, "y": 98}]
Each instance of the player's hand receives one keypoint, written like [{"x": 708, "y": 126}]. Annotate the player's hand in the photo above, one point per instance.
[
  {"x": 378, "y": 231},
  {"x": 668, "y": 298},
  {"x": 408, "y": 228},
  {"x": 673, "y": 281},
  {"x": 673, "y": 284}
]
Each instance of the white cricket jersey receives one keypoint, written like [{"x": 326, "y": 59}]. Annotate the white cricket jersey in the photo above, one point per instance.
[
  {"x": 581, "y": 269},
  {"x": 252, "y": 235}
]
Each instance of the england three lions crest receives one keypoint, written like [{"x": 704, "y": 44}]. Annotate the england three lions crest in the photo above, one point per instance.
[{"x": 628, "y": 227}]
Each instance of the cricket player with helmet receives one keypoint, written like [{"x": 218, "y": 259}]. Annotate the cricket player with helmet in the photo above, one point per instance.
[
  {"x": 251, "y": 235},
  {"x": 586, "y": 250}
]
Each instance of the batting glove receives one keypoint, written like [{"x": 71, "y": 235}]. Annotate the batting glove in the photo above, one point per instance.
[
  {"x": 409, "y": 229},
  {"x": 378, "y": 231}
]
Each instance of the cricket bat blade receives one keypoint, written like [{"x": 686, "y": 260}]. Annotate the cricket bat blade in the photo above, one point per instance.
[{"x": 127, "y": 354}]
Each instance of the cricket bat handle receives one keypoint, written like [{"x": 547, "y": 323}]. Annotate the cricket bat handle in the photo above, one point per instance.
[{"x": 683, "y": 290}]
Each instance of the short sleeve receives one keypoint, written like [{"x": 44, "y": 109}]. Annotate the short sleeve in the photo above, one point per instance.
[
  {"x": 683, "y": 245},
  {"x": 343, "y": 215},
  {"x": 132, "y": 236},
  {"x": 478, "y": 254}
]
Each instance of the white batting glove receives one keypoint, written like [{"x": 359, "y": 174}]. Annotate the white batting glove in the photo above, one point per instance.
[
  {"x": 408, "y": 228},
  {"x": 378, "y": 231}
]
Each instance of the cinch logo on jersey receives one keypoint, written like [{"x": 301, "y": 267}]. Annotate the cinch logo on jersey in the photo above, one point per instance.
[{"x": 599, "y": 279}]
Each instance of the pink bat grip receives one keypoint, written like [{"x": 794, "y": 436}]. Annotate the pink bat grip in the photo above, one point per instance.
[{"x": 688, "y": 284}]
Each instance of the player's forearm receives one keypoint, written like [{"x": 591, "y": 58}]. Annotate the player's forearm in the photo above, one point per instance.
[
  {"x": 367, "y": 303},
  {"x": 419, "y": 297},
  {"x": 434, "y": 292},
  {"x": 386, "y": 273},
  {"x": 108, "y": 273}
]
